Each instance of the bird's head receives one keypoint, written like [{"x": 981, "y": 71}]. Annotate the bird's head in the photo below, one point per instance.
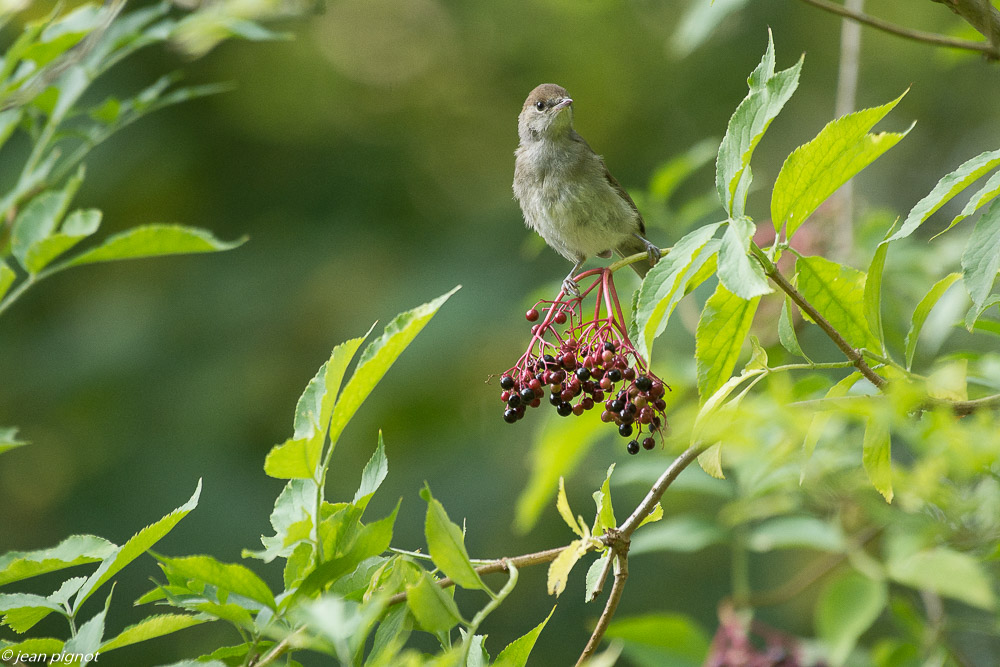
[{"x": 546, "y": 114}]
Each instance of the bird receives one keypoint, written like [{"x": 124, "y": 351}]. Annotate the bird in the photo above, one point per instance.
[{"x": 565, "y": 191}]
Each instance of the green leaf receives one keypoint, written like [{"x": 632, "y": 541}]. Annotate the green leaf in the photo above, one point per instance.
[
  {"x": 873, "y": 295},
  {"x": 975, "y": 312},
  {"x": 293, "y": 508},
  {"x": 768, "y": 94},
  {"x": 594, "y": 574},
  {"x": 378, "y": 357},
  {"x": 293, "y": 459},
  {"x": 152, "y": 241},
  {"x": 846, "y": 607},
  {"x": 981, "y": 259},
  {"x": 946, "y": 572},
  {"x": 87, "y": 639},
  {"x": 21, "y": 611},
  {"x": 371, "y": 477},
  {"x": 654, "y": 515},
  {"x": 786, "y": 331},
  {"x": 74, "y": 550},
  {"x": 77, "y": 226},
  {"x": 949, "y": 186},
  {"x": 345, "y": 624},
  {"x": 837, "y": 292},
  {"x": 605, "y": 518},
  {"x": 562, "y": 505},
  {"x": 8, "y": 436},
  {"x": 150, "y": 628},
  {"x": 710, "y": 461},
  {"x": 446, "y": 544},
  {"x": 814, "y": 171},
  {"x": 983, "y": 196},
  {"x": 517, "y": 652},
  {"x": 231, "y": 577},
  {"x": 876, "y": 455},
  {"x": 557, "y": 449},
  {"x": 665, "y": 640},
  {"x": 921, "y": 312},
  {"x": 742, "y": 275},
  {"x": 433, "y": 608},
  {"x": 723, "y": 327},
  {"x": 135, "y": 547},
  {"x": 560, "y": 568},
  {"x": 39, "y": 219},
  {"x": 790, "y": 532},
  {"x": 7, "y": 276},
  {"x": 391, "y": 635},
  {"x": 684, "y": 533},
  {"x": 669, "y": 280}
]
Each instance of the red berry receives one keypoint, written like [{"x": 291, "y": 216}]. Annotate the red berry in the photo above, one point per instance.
[
  {"x": 578, "y": 409},
  {"x": 560, "y": 318},
  {"x": 648, "y": 443},
  {"x": 531, "y": 315}
]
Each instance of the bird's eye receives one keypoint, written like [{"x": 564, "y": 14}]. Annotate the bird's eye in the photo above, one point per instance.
[{"x": 540, "y": 105}]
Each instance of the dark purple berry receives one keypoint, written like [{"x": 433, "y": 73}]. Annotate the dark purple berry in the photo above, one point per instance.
[
  {"x": 630, "y": 408},
  {"x": 643, "y": 383},
  {"x": 583, "y": 374},
  {"x": 614, "y": 375},
  {"x": 514, "y": 400},
  {"x": 609, "y": 346},
  {"x": 510, "y": 415},
  {"x": 527, "y": 395},
  {"x": 554, "y": 398},
  {"x": 564, "y": 409},
  {"x": 507, "y": 382},
  {"x": 625, "y": 430},
  {"x": 617, "y": 405},
  {"x": 629, "y": 373},
  {"x": 632, "y": 447},
  {"x": 648, "y": 443}
]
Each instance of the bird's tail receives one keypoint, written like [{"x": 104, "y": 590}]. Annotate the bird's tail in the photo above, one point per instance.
[{"x": 632, "y": 247}]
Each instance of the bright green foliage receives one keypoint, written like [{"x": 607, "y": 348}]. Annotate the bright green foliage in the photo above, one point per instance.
[
  {"x": 723, "y": 327},
  {"x": 225, "y": 577},
  {"x": 741, "y": 275},
  {"x": 873, "y": 295},
  {"x": 837, "y": 292},
  {"x": 152, "y": 241},
  {"x": 786, "y": 331},
  {"x": 446, "y": 544},
  {"x": 768, "y": 93},
  {"x": 846, "y": 608},
  {"x": 516, "y": 653},
  {"x": 605, "y": 517},
  {"x": 876, "y": 450},
  {"x": 815, "y": 170},
  {"x": 983, "y": 196},
  {"x": 950, "y": 185},
  {"x": 981, "y": 259},
  {"x": 150, "y": 628},
  {"x": 432, "y": 606}
]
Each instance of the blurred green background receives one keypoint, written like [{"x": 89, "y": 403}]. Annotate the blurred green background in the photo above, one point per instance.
[{"x": 369, "y": 160}]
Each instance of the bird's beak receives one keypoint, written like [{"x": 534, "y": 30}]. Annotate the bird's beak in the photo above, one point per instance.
[{"x": 562, "y": 105}]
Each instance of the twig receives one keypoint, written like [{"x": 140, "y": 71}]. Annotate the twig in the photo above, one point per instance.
[
  {"x": 981, "y": 15},
  {"x": 621, "y": 574},
  {"x": 855, "y": 356},
  {"x": 987, "y": 48},
  {"x": 278, "y": 650},
  {"x": 499, "y": 565},
  {"x": 602, "y": 577}
]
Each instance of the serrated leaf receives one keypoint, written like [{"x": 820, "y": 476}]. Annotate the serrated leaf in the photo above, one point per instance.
[
  {"x": 378, "y": 357},
  {"x": 846, "y": 607},
  {"x": 981, "y": 259},
  {"x": 837, "y": 292},
  {"x": 605, "y": 517},
  {"x": 87, "y": 639},
  {"x": 150, "y": 628},
  {"x": 371, "y": 477},
  {"x": 562, "y": 505},
  {"x": 950, "y": 185},
  {"x": 560, "y": 568},
  {"x": 742, "y": 275},
  {"x": 921, "y": 312},
  {"x": 873, "y": 295},
  {"x": 655, "y": 515},
  {"x": 876, "y": 455},
  {"x": 722, "y": 328},
  {"x": 135, "y": 547},
  {"x": 594, "y": 574},
  {"x": 292, "y": 508},
  {"x": 516, "y": 653},
  {"x": 74, "y": 550},
  {"x": 77, "y": 226},
  {"x": 946, "y": 572},
  {"x": 768, "y": 94},
  {"x": 152, "y": 241},
  {"x": 983, "y": 196},
  {"x": 815, "y": 170},
  {"x": 21, "y": 611},
  {"x": 668, "y": 281},
  {"x": 293, "y": 459},
  {"x": 710, "y": 461},
  {"x": 556, "y": 451},
  {"x": 433, "y": 608},
  {"x": 446, "y": 544},
  {"x": 231, "y": 577}
]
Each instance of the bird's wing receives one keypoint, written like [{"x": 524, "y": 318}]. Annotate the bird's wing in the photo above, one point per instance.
[{"x": 624, "y": 195}]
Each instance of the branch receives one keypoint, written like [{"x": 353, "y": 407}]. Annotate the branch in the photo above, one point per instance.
[
  {"x": 961, "y": 7},
  {"x": 982, "y": 16},
  {"x": 854, "y": 355},
  {"x": 610, "y": 607}
]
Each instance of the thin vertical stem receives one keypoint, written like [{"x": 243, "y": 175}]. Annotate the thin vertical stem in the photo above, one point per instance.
[{"x": 847, "y": 88}]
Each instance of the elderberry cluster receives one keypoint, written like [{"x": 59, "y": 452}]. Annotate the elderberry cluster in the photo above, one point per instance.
[{"x": 582, "y": 376}]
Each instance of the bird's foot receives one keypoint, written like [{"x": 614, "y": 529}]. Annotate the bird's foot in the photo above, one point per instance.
[
  {"x": 653, "y": 252},
  {"x": 570, "y": 287}
]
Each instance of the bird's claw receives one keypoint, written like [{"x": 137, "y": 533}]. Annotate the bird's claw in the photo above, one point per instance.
[
  {"x": 570, "y": 287},
  {"x": 654, "y": 254}
]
